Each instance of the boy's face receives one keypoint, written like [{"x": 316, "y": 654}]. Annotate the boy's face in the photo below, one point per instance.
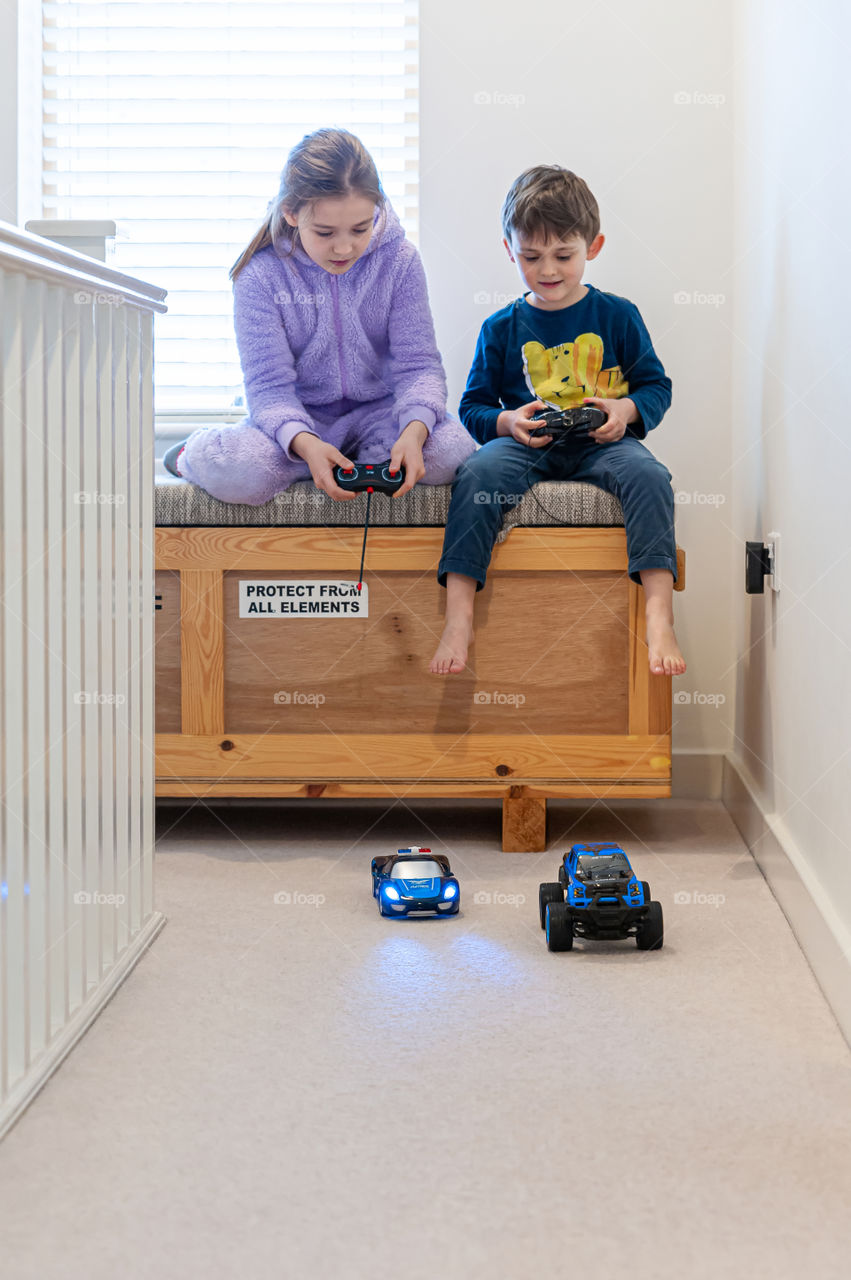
[{"x": 552, "y": 269}]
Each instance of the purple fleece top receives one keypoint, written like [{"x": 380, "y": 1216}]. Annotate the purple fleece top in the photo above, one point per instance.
[{"x": 314, "y": 345}]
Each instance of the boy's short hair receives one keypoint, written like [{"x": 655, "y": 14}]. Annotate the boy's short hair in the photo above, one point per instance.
[{"x": 550, "y": 201}]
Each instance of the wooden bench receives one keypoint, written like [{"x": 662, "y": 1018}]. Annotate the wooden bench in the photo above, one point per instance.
[{"x": 557, "y": 700}]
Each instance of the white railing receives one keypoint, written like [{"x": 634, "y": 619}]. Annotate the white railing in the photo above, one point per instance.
[{"x": 76, "y": 648}]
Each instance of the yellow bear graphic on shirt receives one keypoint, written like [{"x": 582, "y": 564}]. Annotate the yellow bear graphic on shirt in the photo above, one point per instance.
[{"x": 563, "y": 376}]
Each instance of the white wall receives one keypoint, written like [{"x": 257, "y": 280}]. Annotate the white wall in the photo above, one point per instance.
[
  {"x": 8, "y": 112},
  {"x": 791, "y": 459},
  {"x": 595, "y": 89}
]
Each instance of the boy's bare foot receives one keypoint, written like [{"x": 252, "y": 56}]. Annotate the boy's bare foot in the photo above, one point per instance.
[
  {"x": 451, "y": 655},
  {"x": 665, "y": 656}
]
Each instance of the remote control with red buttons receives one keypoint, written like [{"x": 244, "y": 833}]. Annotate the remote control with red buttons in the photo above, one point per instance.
[{"x": 369, "y": 477}]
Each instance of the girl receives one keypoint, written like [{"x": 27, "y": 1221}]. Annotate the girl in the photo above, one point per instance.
[{"x": 336, "y": 342}]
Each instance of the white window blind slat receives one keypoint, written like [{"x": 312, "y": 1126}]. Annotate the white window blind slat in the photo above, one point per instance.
[{"x": 175, "y": 120}]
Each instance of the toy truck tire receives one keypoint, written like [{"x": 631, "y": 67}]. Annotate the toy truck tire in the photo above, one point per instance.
[
  {"x": 559, "y": 927},
  {"x": 562, "y": 876},
  {"x": 548, "y": 893},
  {"x": 646, "y": 888},
  {"x": 650, "y": 933}
]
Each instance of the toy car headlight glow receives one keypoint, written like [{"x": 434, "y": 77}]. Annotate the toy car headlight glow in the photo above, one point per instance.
[
  {"x": 450, "y": 891},
  {"x": 390, "y": 892}
]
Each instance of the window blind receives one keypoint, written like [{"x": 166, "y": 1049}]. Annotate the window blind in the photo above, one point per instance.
[{"x": 175, "y": 121}]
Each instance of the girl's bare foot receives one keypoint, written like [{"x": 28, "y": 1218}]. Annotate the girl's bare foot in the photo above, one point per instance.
[
  {"x": 665, "y": 656},
  {"x": 451, "y": 655}
]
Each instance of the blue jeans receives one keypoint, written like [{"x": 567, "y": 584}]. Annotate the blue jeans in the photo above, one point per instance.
[{"x": 496, "y": 477}]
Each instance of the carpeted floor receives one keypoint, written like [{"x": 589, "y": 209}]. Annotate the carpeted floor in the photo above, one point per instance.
[{"x": 301, "y": 1089}]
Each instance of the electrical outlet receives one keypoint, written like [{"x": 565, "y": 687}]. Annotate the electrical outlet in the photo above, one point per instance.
[{"x": 773, "y": 544}]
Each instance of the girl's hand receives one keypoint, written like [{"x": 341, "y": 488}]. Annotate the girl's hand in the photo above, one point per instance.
[
  {"x": 407, "y": 452},
  {"x": 322, "y": 458},
  {"x": 516, "y": 423},
  {"x": 621, "y": 413}
]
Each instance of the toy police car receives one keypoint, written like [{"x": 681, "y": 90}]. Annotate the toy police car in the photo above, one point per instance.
[
  {"x": 415, "y": 880},
  {"x": 598, "y": 896}
]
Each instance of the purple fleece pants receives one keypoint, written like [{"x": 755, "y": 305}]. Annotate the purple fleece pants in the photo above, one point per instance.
[{"x": 243, "y": 464}]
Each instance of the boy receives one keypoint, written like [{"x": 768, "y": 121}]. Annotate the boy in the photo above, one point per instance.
[{"x": 561, "y": 344}]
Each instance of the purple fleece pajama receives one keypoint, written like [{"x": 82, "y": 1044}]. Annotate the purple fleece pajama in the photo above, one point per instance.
[{"x": 351, "y": 358}]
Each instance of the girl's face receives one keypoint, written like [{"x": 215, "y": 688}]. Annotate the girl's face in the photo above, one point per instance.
[{"x": 334, "y": 232}]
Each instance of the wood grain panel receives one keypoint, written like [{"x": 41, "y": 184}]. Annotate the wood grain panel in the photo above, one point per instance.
[
  {"x": 550, "y": 657},
  {"x": 524, "y": 823},
  {"x": 202, "y": 651},
  {"x": 414, "y": 757},
  {"x": 263, "y": 788},
  {"x": 338, "y": 550},
  {"x": 167, "y": 651}
]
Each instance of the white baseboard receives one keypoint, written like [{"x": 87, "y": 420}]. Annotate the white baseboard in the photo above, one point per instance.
[
  {"x": 43, "y": 1068},
  {"x": 823, "y": 936}
]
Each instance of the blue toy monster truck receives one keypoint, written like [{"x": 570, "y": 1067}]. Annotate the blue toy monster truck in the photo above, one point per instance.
[{"x": 598, "y": 896}]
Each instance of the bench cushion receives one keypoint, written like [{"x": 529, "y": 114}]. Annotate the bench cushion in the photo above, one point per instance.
[{"x": 552, "y": 502}]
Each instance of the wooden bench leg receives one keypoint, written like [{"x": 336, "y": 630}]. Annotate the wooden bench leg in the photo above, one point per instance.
[{"x": 524, "y": 824}]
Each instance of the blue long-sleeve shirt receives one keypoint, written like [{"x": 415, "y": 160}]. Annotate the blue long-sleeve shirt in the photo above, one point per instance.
[{"x": 599, "y": 346}]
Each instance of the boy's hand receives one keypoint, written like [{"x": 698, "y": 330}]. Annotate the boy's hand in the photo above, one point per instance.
[
  {"x": 621, "y": 413},
  {"x": 322, "y": 458},
  {"x": 516, "y": 423},
  {"x": 407, "y": 452}
]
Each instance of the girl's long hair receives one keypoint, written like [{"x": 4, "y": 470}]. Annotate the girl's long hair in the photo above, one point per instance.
[{"x": 327, "y": 163}]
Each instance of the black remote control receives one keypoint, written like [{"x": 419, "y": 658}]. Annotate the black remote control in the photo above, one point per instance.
[
  {"x": 559, "y": 423},
  {"x": 369, "y": 477}
]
